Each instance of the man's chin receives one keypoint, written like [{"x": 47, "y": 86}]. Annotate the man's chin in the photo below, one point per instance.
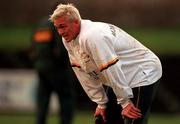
[{"x": 67, "y": 40}]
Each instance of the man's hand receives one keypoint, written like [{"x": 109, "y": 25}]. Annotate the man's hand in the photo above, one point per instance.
[
  {"x": 100, "y": 112},
  {"x": 131, "y": 111},
  {"x": 99, "y": 120}
]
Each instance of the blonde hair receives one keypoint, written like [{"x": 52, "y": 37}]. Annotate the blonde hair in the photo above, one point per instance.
[{"x": 68, "y": 10}]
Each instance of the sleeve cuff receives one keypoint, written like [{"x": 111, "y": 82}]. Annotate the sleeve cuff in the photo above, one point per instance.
[
  {"x": 102, "y": 106},
  {"x": 125, "y": 103}
]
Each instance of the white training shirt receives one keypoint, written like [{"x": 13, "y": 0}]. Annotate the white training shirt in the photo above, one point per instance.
[{"x": 104, "y": 54}]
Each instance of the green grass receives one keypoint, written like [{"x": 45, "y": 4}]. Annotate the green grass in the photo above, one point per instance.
[
  {"x": 160, "y": 40},
  {"x": 164, "y": 119},
  {"x": 83, "y": 117}
]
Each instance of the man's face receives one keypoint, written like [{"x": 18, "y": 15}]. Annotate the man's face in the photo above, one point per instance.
[{"x": 66, "y": 28}]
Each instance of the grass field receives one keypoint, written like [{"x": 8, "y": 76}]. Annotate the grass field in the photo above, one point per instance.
[
  {"x": 83, "y": 117},
  {"x": 160, "y": 40}
]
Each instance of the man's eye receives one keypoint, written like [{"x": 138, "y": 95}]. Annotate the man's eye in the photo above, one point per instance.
[{"x": 61, "y": 27}]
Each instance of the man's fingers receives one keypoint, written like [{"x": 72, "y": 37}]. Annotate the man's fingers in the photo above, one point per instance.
[
  {"x": 134, "y": 115},
  {"x": 100, "y": 112},
  {"x": 136, "y": 111},
  {"x": 104, "y": 118},
  {"x": 99, "y": 120},
  {"x": 131, "y": 112}
]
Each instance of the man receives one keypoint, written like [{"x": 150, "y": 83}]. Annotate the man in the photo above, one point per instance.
[
  {"x": 50, "y": 61},
  {"x": 103, "y": 54}
]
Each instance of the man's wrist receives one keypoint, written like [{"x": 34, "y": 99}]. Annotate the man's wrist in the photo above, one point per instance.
[
  {"x": 101, "y": 106},
  {"x": 125, "y": 103}
]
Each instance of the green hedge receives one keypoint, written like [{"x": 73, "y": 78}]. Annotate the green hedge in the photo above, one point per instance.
[{"x": 161, "y": 40}]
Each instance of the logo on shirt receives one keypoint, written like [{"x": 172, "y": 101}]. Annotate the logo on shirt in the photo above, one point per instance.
[
  {"x": 113, "y": 31},
  {"x": 83, "y": 55},
  {"x": 94, "y": 75}
]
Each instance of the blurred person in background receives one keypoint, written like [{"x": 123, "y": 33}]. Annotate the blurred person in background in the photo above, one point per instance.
[
  {"x": 55, "y": 76},
  {"x": 103, "y": 54}
]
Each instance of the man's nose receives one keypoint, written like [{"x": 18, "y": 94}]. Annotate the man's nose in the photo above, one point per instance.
[{"x": 60, "y": 31}]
